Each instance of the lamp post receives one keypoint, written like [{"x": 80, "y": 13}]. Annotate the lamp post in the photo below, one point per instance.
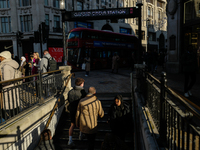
[
  {"x": 62, "y": 7},
  {"x": 139, "y": 4}
]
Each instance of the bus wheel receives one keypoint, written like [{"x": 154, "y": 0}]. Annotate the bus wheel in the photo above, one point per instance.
[{"x": 98, "y": 65}]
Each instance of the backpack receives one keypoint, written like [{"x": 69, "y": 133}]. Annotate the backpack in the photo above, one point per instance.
[{"x": 52, "y": 64}]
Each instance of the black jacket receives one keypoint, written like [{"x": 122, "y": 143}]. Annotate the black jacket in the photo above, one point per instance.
[
  {"x": 74, "y": 97},
  {"x": 119, "y": 117}
]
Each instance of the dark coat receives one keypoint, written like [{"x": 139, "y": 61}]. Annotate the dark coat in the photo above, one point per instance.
[
  {"x": 189, "y": 62},
  {"x": 74, "y": 97},
  {"x": 119, "y": 117}
]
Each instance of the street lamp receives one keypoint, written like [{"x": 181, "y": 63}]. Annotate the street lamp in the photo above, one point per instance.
[
  {"x": 139, "y": 52},
  {"x": 62, "y": 7}
]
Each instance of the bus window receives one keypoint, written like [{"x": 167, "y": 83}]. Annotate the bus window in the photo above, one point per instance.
[
  {"x": 73, "y": 55},
  {"x": 73, "y": 35},
  {"x": 104, "y": 54}
]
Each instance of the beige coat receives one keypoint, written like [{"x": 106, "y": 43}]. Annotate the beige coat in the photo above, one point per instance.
[
  {"x": 88, "y": 110},
  {"x": 10, "y": 92},
  {"x": 87, "y": 64}
]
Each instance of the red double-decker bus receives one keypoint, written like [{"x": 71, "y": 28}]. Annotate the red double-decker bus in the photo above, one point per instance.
[{"x": 100, "y": 45}]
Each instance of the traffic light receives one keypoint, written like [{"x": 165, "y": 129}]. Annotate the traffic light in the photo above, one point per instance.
[
  {"x": 36, "y": 37},
  {"x": 20, "y": 34},
  {"x": 19, "y": 37},
  {"x": 45, "y": 32}
]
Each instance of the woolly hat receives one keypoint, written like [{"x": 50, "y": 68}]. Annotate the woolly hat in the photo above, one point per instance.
[{"x": 5, "y": 54}]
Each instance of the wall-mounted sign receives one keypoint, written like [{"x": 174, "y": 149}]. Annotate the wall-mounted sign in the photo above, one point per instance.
[
  {"x": 57, "y": 53},
  {"x": 129, "y": 12}
]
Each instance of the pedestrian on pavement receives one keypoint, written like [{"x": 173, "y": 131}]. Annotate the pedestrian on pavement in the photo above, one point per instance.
[
  {"x": 133, "y": 61},
  {"x": 36, "y": 63},
  {"x": 74, "y": 97},
  {"x": 119, "y": 117},
  {"x": 30, "y": 64},
  {"x": 115, "y": 62},
  {"x": 89, "y": 108},
  {"x": 24, "y": 67},
  {"x": 44, "y": 61},
  {"x": 87, "y": 64},
  {"x": 46, "y": 141},
  {"x": 190, "y": 68},
  {"x": 9, "y": 96}
]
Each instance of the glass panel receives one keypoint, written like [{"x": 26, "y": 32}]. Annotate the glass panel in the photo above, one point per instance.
[
  {"x": 47, "y": 19},
  {"x": 22, "y": 24},
  {"x": 46, "y": 2},
  {"x": 3, "y": 4},
  {"x": 79, "y": 5},
  {"x": 74, "y": 35}
]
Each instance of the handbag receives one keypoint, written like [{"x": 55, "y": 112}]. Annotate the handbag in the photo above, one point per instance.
[{"x": 83, "y": 66}]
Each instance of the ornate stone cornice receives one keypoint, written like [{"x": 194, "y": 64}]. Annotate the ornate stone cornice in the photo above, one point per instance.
[
  {"x": 5, "y": 12},
  {"x": 25, "y": 10}
]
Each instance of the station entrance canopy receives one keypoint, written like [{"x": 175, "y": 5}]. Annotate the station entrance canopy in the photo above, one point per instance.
[{"x": 100, "y": 14}]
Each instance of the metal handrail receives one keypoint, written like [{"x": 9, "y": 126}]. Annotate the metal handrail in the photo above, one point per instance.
[
  {"x": 17, "y": 79},
  {"x": 56, "y": 104},
  {"x": 186, "y": 102}
]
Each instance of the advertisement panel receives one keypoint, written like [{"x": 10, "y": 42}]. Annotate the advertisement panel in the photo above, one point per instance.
[{"x": 57, "y": 53}]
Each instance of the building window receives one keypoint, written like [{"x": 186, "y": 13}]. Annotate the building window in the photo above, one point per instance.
[
  {"x": 26, "y": 23},
  {"x": 87, "y": 6},
  {"x": 159, "y": 15},
  {"x": 199, "y": 8},
  {"x": 142, "y": 34},
  {"x": 149, "y": 11},
  {"x": 152, "y": 36},
  {"x": 103, "y": 2},
  {"x": 24, "y": 3},
  {"x": 79, "y": 5},
  {"x": 56, "y": 23},
  {"x": 97, "y": 1},
  {"x": 4, "y": 4},
  {"x": 5, "y": 24},
  {"x": 47, "y": 19},
  {"x": 56, "y": 3},
  {"x": 46, "y": 2},
  {"x": 125, "y": 30},
  {"x": 136, "y": 21},
  {"x": 97, "y": 7}
]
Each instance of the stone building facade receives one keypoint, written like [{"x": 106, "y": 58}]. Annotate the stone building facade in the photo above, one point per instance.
[
  {"x": 183, "y": 31},
  {"x": 26, "y": 15}
]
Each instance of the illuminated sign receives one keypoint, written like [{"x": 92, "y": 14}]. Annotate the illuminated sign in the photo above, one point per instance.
[
  {"x": 129, "y": 12},
  {"x": 112, "y": 44}
]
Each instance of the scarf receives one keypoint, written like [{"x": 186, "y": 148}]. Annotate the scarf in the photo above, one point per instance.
[{"x": 23, "y": 60}]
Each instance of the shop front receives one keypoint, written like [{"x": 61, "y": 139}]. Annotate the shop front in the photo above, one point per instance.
[{"x": 191, "y": 27}]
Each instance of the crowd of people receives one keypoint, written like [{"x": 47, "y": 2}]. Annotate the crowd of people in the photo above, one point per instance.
[{"x": 14, "y": 68}]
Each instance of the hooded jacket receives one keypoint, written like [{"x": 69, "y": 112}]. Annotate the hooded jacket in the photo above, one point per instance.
[
  {"x": 11, "y": 95},
  {"x": 119, "y": 116},
  {"x": 8, "y": 67},
  {"x": 44, "y": 63}
]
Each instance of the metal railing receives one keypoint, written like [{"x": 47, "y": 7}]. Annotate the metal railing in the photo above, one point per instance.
[
  {"x": 20, "y": 94},
  {"x": 176, "y": 118}
]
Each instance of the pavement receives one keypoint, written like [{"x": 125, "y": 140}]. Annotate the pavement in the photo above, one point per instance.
[
  {"x": 176, "y": 82},
  {"x": 106, "y": 82}
]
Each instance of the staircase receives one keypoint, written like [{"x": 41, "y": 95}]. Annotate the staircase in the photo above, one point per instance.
[{"x": 61, "y": 136}]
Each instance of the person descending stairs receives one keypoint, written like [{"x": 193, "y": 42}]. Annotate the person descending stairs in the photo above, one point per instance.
[{"x": 104, "y": 137}]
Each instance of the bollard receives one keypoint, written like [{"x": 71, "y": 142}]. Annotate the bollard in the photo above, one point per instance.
[{"x": 163, "y": 96}]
